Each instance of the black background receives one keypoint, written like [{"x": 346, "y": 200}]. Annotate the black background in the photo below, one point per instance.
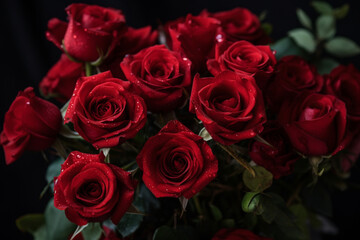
[{"x": 26, "y": 56}]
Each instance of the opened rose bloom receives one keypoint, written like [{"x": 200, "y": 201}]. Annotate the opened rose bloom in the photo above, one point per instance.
[
  {"x": 278, "y": 158},
  {"x": 230, "y": 106},
  {"x": 293, "y": 76},
  {"x": 92, "y": 31},
  {"x": 90, "y": 190},
  {"x": 315, "y": 124},
  {"x": 104, "y": 112},
  {"x": 162, "y": 77},
  {"x": 176, "y": 162},
  {"x": 31, "y": 123},
  {"x": 245, "y": 58}
]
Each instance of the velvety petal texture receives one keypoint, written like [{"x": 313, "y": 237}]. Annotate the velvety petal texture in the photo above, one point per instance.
[
  {"x": 90, "y": 190},
  {"x": 245, "y": 58},
  {"x": 237, "y": 234},
  {"x": 230, "y": 106},
  {"x": 194, "y": 37},
  {"x": 176, "y": 162},
  {"x": 315, "y": 123},
  {"x": 104, "y": 112},
  {"x": 60, "y": 80},
  {"x": 278, "y": 158},
  {"x": 162, "y": 77},
  {"x": 31, "y": 123},
  {"x": 292, "y": 77}
]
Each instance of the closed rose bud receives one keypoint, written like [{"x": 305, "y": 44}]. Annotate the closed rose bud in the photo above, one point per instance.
[{"x": 31, "y": 123}]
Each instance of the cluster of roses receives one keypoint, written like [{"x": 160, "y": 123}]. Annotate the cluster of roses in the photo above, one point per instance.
[{"x": 115, "y": 76}]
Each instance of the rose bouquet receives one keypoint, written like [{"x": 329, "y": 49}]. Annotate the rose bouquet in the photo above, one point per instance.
[{"x": 203, "y": 129}]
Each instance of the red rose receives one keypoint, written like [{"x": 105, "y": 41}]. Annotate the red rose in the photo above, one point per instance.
[
  {"x": 90, "y": 190},
  {"x": 344, "y": 83},
  {"x": 131, "y": 42},
  {"x": 60, "y": 81},
  {"x": 245, "y": 58},
  {"x": 236, "y": 234},
  {"x": 230, "y": 106},
  {"x": 194, "y": 37},
  {"x": 104, "y": 112},
  {"x": 92, "y": 31},
  {"x": 176, "y": 162},
  {"x": 31, "y": 123},
  {"x": 280, "y": 158},
  {"x": 293, "y": 76},
  {"x": 240, "y": 24},
  {"x": 315, "y": 124},
  {"x": 160, "y": 76}
]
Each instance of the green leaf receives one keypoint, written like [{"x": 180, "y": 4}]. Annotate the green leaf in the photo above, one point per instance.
[
  {"x": 303, "y": 38},
  {"x": 261, "y": 181},
  {"x": 129, "y": 223},
  {"x": 301, "y": 218},
  {"x": 326, "y": 65},
  {"x": 342, "y": 47},
  {"x": 322, "y": 7},
  {"x": 325, "y": 27},
  {"x": 30, "y": 222},
  {"x": 58, "y": 227},
  {"x": 215, "y": 211},
  {"x": 53, "y": 170},
  {"x": 318, "y": 199},
  {"x": 275, "y": 211},
  {"x": 250, "y": 201},
  {"x": 92, "y": 232},
  {"x": 303, "y": 18},
  {"x": 342, "y": 11},
  {"x": 228, "y": 223},
  {"x": 286, "y": 46}
]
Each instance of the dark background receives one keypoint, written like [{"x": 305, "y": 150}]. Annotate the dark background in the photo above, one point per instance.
[{"x": 26, "y": 56}]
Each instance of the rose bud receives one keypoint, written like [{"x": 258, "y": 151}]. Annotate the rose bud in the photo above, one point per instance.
[
  {"x": 236, "y": 234},
  {"x": 176, "y": 162},
  {"x": 104, "y": 112},
  {"x": 240, "y": 24},
  {"x": 90, "y": 190},
  {"x": 61, "y": 79},
  {"x": 31, "y": 123},
  {"x": 194, "y": 37},
  {"x": 278, "y": 158},
  {"x": 315, "y": 124},
  {"x": 160, "y": 76},
  {"x": 293, "y": 76},
  {"x": 230, "y": 106},
  {"x": 91, "y": 33},
  {"x": 245, "y": 58}
]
